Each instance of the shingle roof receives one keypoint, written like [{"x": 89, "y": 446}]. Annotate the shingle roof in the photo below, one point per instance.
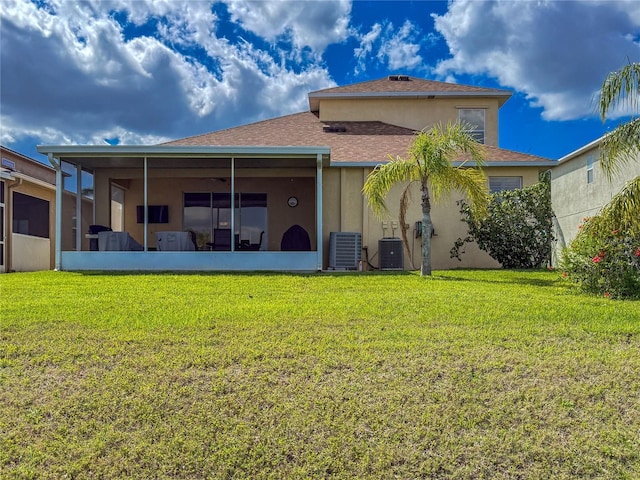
[
  {"x": 405, "y": 86},
  {"x": 350, "y": 142},
  {"x": 408, "y": 85}
]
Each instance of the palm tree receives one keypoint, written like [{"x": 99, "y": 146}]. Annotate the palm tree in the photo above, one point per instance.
[
  {"x": 429, "y": 164},
  {"x": 621, "y": 89}
]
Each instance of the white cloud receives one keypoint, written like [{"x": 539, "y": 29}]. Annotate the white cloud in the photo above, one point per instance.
[
  {"x": 556, "y": 52},
  {"x": 72, "y": 74},
  {"x": 364, "y": 51},
  {"x": 400, "y": 48},
  {"x": 396, "y": 49},
  {"x": 313, "y": 24}
]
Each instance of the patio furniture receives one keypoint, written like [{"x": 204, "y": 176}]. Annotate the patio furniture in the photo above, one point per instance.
[
  {"x": 174, "y": 242},
  {"x": 221, "y": 239},
  {"x": 93, "y": 235},
  {"x": 117, "y": 241},
  {"x": 295, "y": 238}
]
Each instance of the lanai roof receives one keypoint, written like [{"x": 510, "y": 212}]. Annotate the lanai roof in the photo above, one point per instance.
[{"x": 351, "y": 143}]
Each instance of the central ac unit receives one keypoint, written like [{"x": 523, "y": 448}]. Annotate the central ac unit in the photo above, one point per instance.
[
  {"x": 390, "y": 254},
  {"x": 344, "y": 250}
]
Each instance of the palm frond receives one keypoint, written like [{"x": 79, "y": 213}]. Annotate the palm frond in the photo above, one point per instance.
[
  {"x": 622, "y": 211},
  {"x": 383, "y": 178},
  {"x": 473, "y": 183},
  {"x": 435, "y": 149},
  {"x": 405, "y": 199},
  {"x": 620, "y": 147},
  {"x": 620, "y": 89}
]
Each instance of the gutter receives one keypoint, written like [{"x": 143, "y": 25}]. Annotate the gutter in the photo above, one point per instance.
[
  {"x": 581, "y": 150},
  {"x": 372, "y": 164}
]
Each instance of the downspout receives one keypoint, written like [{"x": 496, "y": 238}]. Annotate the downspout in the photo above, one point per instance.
[
  {"x": 319, "y": 212},
  {"x": 56, "y": 164},
  {"x": 8, "y": 242}
]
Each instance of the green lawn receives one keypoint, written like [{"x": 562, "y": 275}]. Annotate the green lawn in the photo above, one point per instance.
[{"x": 470, "y": 374}]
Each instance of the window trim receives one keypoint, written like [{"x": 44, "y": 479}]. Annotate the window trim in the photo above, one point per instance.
[
  {"x": 590, "y": 170},
  {"x": 502, "y": 179},
  {"x": 475, "y": 132}
]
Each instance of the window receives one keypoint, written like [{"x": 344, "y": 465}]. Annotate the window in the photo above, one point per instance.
[
  {"x": 590, "y": 169},
  {"x": 30, "y": 215},
  {"x": 474, "y": 117},
  {"x": 498, "y": 184},
  {"x": 70, "y": 183},
  {"x": 204, "y": 212},
  {"x": 117, "y": 208}
]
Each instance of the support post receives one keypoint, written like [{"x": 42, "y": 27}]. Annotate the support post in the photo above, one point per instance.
[
  {"x": 57, "y": 165},
  {"x": 319, "y": 211},
  {"x": 78, "y": 208}
]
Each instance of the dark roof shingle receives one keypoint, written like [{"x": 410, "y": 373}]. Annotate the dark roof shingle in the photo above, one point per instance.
[{"x": 350, "y": 142}]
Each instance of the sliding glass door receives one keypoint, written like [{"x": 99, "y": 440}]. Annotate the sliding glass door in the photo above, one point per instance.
[{"x": 209, "y": 216}]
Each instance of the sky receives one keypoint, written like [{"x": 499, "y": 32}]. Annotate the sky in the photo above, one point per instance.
[{"x": 149, "y": 71}]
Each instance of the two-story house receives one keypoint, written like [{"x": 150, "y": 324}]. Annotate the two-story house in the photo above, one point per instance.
[
  {"x": 289, "y": 188},
  {"x": 580, "y": 189}
]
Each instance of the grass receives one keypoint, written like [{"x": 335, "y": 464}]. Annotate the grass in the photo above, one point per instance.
[{"x": 470, "y": 374}]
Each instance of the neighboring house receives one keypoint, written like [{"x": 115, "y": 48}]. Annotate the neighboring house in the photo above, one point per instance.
[
  {"x": 304, "y": 171},
  {"x": 579, "y": 189},
  {"x": 27, "y": 206}
]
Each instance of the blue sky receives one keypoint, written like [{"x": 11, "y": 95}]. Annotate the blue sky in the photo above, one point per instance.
[{"x": 147, "y": 71}]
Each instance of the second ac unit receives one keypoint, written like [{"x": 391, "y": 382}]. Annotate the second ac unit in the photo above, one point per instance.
[{"x": 390, "y": 254}]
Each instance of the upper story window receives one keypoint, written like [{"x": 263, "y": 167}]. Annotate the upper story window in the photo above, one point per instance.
[
  {"x": 590, "y": 169},
  {"x": 475, "y": 118},
  {"x": 498, "y": 184}
]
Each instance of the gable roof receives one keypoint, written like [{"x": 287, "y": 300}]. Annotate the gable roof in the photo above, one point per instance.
[
  {"x": 397, "y": 86},
  {"x": 351, "y": 143}
]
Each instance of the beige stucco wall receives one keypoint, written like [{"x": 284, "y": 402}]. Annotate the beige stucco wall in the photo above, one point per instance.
[
  {"x": 573, "y": 198},
  {"x": 30, "y": 254},
  {"x": 166, "y": 187},
  {"x": 411, "y": 113},
  {"x": 37, "y": 180},
  {"x": 13, "y": 249},
  {"x": 346, "y": 210}
]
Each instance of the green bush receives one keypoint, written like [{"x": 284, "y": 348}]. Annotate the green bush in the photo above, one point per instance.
[
  {"x": 517, "y": 230},
  {"x": 604, "y": 260}
]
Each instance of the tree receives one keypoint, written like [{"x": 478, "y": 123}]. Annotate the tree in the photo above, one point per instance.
[
  {"x": 517, "y": 230},
  {"x": 604, "y": 257},
  {"x": 429, "y": 163},
  {"x": 621, "y": 89}
]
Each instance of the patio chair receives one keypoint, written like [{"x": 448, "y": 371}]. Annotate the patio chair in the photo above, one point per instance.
[
  {"x": 221, "y": 239},
  {"x": 295, "y": 238}
]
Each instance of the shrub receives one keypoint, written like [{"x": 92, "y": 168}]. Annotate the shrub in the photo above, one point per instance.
[
  {"x": 604, "y": 260},
  {"x": 517, "y": 230}
]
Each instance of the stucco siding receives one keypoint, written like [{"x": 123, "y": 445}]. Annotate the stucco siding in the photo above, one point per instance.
[
  {"x": 415, "y": 114},
  {"x": 573, "y": 198},
  {"x": 17, "y": 250},
  {"x": 446, "y": 217}
]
